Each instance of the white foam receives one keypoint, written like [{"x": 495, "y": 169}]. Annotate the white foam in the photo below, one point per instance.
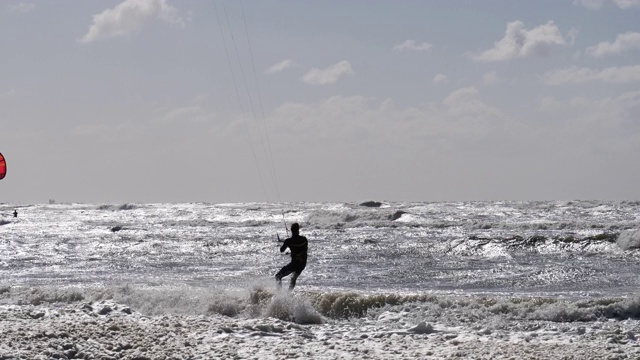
[
  {"x": 286, "y": 306},
  {"x": 629, "y": 239}
]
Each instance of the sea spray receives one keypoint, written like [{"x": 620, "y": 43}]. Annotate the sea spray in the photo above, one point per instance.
[
  {"x": 351, "y": 304},
  {"x": 295, "y": 308},
  {"x": 629, "y": 239}
]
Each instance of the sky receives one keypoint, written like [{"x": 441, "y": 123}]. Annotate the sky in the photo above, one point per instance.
[{"x": 279, "y": 101}]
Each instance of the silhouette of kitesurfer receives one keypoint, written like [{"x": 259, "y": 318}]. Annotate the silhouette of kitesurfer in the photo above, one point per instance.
[
  {"x": 15, "y": 213},
  {"x": 298, "y": 246}
]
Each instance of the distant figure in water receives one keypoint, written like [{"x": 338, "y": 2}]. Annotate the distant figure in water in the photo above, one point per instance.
[
  {"x": 298, "y": 246},
  {"x": 15, "y": 213}
]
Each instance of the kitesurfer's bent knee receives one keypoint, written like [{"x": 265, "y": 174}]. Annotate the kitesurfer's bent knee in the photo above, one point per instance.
[{"x": 292, "y": 267}]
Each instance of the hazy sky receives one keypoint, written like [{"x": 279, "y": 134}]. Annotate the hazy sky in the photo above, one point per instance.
[{"x": 185, "y": 101}]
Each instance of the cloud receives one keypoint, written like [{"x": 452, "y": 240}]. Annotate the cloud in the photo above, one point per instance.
[
  {"x": 623, "y": 42},
  {"x": 458, "y": 143},
  {"x": 601, "y": 120},
  {"x": 576, "y": 75},
  {"x": 329, "y": 75},
  {"x": 358, "y": 119},
  {"x": 519, "y": 42},
  {"x": 626, "y": 4},
  {"x": 89, "y": 130},
  {"x": 620, "y": 105},
  {"x": 198, "y": 110},
  {"x": 597, "y": 4},
  {"x": 382, "y": 132},
  {"x": 491, "y": 78},
  {"x": 572, "y": 35},
  {"x": 466, "y": 103},
  {"x": 8, "y": 93},
  {"x": 21, "y": 7},
  {"x": 440, "y": 79},
  {"x": 592, "y": 130},
  {"x": 590, "y": 4},
  {"x": 129, "y": 17},
  {"x": 281, "y": 66},
  {"x": 411, "y": 45},
  {"x": 194, "y": 113}
]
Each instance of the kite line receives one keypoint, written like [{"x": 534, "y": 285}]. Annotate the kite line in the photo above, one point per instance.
[{"x": 264, "y": 139}]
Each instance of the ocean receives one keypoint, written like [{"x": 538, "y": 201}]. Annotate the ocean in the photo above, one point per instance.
[{"x": 529, "y": 279}]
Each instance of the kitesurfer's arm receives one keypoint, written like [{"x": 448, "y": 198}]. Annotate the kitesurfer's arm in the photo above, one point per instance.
[{"x": 284, "y": 246}]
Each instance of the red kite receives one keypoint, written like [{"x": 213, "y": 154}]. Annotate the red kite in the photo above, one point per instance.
[{"x": 3, "y": 167}]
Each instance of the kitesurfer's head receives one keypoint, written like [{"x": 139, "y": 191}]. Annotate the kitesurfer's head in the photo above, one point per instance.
[{"x": 295, "y": 228}]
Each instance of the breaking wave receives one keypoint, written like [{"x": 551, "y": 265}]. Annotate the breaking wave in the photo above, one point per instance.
[
  {"x": 118, "y": 207},
  {"x": 629, "y": 240},
  {"x": 326, "y": 219},
  {"x": 476, "y": 243},
  {"x": 317, "y": 307}
]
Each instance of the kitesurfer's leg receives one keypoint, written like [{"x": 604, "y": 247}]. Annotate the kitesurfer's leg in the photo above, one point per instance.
[
  {"x": 297, "y": 270},
  {"x": 286, "y": 270},
  {"x": 292, "y": 284}
]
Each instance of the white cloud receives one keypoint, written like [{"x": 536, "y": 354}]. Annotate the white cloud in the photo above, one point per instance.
[
  {"x": 129, "y": 17},
  {"x": 591, "y": 4},
  {"x": 440, "y": 79},
  {"x": 576, "y": 75},
  {"x": 618, "y": 106},
  {"x": 614, "y": 116},
  {"x": 572, "y": 35},
  {"x": 626, "y": 4},
  {"x": 201, "y": 98},
  {"x": 8, "y": 93},
  {"x": 329, "y": 75},
  {"x": 412, "y": 45},
  {"x": 281, "y": 66},
  {"x": 460, "y": 122},
  {"x": 21, "y": 7},
  {"x": 591, "y": 130},
  {"x": 491, "y": 78},
  {"x": 548, "y": 103},
  {"x": 194, "y": 114},
  {"x": 459, "y": 134},
  {"x": 519, "y": 42},
  {"x": 196, "y": 111},
  {"x": 597, "y": 4},
  {"x": 623, "y": 42},
  {"x": 89, "y": 129},
  {"x": 465, "y": 102}
]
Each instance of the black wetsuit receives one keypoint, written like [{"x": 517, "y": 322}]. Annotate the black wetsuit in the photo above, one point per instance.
[{"x": 298, "y": 245}]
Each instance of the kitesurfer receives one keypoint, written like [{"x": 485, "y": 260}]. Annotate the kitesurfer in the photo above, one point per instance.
[
  {"x": 298, "y": 246},
  {"x": 15, "y": 213}
]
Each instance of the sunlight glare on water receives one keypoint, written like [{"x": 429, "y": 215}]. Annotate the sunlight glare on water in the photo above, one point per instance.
[{"x": 528, "y": 247}]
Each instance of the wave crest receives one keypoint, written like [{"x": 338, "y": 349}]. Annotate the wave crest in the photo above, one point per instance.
[
  {"x": 628, "y": 240},
  {"x": 346, "y": 305},
  {"x": 315, "y": 307}
]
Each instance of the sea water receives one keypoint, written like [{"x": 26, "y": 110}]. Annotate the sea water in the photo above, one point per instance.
[
  {"x": 529, "y": 248},
  {"x": 495, "y": 265}
]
